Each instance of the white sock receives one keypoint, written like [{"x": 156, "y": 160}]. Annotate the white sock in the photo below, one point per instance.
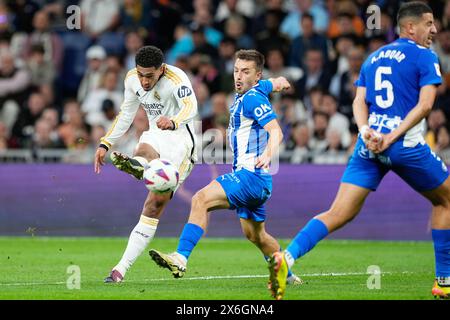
[
  {"x": 139, "y": 239},
  {"x": 141, "y": 160},
  {"x": 289, "y": 259}
]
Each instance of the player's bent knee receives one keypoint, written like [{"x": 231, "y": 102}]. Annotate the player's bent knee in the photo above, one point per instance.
[{"x": 199, "y": 199}]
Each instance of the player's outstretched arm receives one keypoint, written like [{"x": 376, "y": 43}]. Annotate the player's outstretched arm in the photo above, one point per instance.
[
  {"x": 280, "y": 84},
  {"x": 275, "y": 138}
]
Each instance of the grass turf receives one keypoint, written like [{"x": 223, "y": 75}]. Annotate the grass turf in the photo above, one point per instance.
[{"x": 219, "y": 269}]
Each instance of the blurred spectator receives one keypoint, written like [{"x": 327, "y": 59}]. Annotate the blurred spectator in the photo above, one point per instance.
[
  {"x": 346, "y": 21},
  {"x": 235, "y": 28},
  {"x": 92, "y": 105},
  {"x": 203, "y": 18},
  {"x": 203, "y": 99},
  {"x": 227, "y": 49},
  {"x": 318, "y": 141},
  {"x": 95, "y": 56},
  {"x": 200, "y": 37},
  {"x": 52, "y": 43},
  {"x": 133, "y": 42},
  {"x": 375, "y": 42},
  {"x": 14, "y": 83},
  {"x": 4, "y": 137},
  {"x": 339, "y": 62},
  {"x": 6, "y": 32},
  {"x": 290, "y": 110},
  {"x": 446, "y": 16},
  {"x": 208, "y": 74},
  {"x": 73, "y": 126},
  {"x": 442, "y": 48},
  {"x": 443, "y": 139},
  {"x": 276, "y": 67},
  {"x": 98, "y": 16},
  {"x": 337, "y": 121},
  {"x": 201, "y": 45},
  {"x": 334, "y": 152},
  {"x": 44, "y": 137},
  {"x": 51, "y": 116},
  {"x": 436, "y": 119},
  {"x": 291, "y": 26},
  {"x": 314, "y": 74},
  {"x": 342, "y": 84},
  {"x": 135, "y": 16},
  {"x": 271, "y": 7},
  {"x": 227, "y": 8},
  {"x": 23, "y": 127},
  {"x": 309, "y": 39},
  {"x": 269, "y": 36},
  {"x": 23, "y": 10},
  {"x": 114, "y": 63},
  {"x": 219, "y": 109},
  {"x": 300, "y": 136},
  {"x": 41, "y": 70}
]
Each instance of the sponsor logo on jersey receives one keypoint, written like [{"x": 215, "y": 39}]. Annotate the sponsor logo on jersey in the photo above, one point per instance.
[
  {"x": 184, "y": 92},
  {"x": 153, "y": 109},
  {"x": 261, "y": 110},
  {"x": 157, "y": 96}
]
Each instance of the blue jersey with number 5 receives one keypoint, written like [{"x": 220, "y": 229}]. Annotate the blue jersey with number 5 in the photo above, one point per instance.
[{"x": 393, "y": 76}]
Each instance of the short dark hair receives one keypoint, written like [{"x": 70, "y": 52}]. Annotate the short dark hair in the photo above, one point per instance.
[
  {"x": 307, "y": 15},
  {"x": 252, "y": 55},
  {"x": 414, "y": 9},
  {"x": 149, "y": 56}
]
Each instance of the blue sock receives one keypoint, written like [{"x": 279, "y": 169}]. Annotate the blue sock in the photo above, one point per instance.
[
  {"x": 441, "y": 240},
  {"x": 314, "y": 231},
  {"x": 188, "y": 240}
]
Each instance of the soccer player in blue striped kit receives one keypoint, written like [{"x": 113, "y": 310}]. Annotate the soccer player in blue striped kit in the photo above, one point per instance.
[
  {"x": 396, "y": 90},
  {"x": 254, "y": 135}
]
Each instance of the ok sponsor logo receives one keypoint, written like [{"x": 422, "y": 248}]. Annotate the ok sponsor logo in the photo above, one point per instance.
[
  {"x": 184, "y": 92},
  {"x": 261, "y": 110}
]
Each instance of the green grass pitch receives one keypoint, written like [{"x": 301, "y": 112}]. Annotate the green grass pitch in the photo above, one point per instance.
[{"x": 219, "y": 269}]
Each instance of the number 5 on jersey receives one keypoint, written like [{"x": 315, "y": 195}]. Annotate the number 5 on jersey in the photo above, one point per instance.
[{"x": 381, "y": 84}]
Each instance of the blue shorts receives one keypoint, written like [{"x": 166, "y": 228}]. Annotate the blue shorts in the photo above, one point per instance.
[
  {"x": 247, "y": 192},
  {"x": 418, "y": 166}
]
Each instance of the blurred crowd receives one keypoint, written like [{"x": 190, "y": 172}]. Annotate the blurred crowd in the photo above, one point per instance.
[{"x": 61, "y": 74}]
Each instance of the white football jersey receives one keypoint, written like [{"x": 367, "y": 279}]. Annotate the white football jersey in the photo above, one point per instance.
[{"x": 172, "y": 96}]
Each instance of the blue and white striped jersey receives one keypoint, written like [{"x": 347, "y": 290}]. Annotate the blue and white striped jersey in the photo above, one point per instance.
[{"x": 249, "y": 114}]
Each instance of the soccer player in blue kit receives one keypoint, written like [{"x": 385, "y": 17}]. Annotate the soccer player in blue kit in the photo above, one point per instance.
[
  {"x": 254, "y": 135},
  {"x": 396, "y": 90}
]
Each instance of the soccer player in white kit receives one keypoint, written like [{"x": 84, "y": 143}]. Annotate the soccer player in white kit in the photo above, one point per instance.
[{"x": 166, "y": 94}]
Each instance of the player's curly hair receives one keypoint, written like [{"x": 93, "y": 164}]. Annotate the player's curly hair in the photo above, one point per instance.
[
  {"x": 149, "y": 56},
  {"x": 252, "y": 55},
  {"x": 414, "y": 9}
]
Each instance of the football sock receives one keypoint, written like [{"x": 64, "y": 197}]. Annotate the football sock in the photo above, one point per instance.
[
  {"x": 141, "y": 160},
  {"x": 441, "y": 241},
  {"x": 188, "y": 240},
  {"x": 140, "y": 237},
  {"x": 314, "y": 231},
  {"x": 267, "y": 258}
]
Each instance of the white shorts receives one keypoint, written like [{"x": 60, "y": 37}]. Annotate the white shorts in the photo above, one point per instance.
[{"x": 177, "y": 146}]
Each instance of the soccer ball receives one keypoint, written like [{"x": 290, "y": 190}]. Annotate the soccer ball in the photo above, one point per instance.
[{"x": 161, "y": 176}]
